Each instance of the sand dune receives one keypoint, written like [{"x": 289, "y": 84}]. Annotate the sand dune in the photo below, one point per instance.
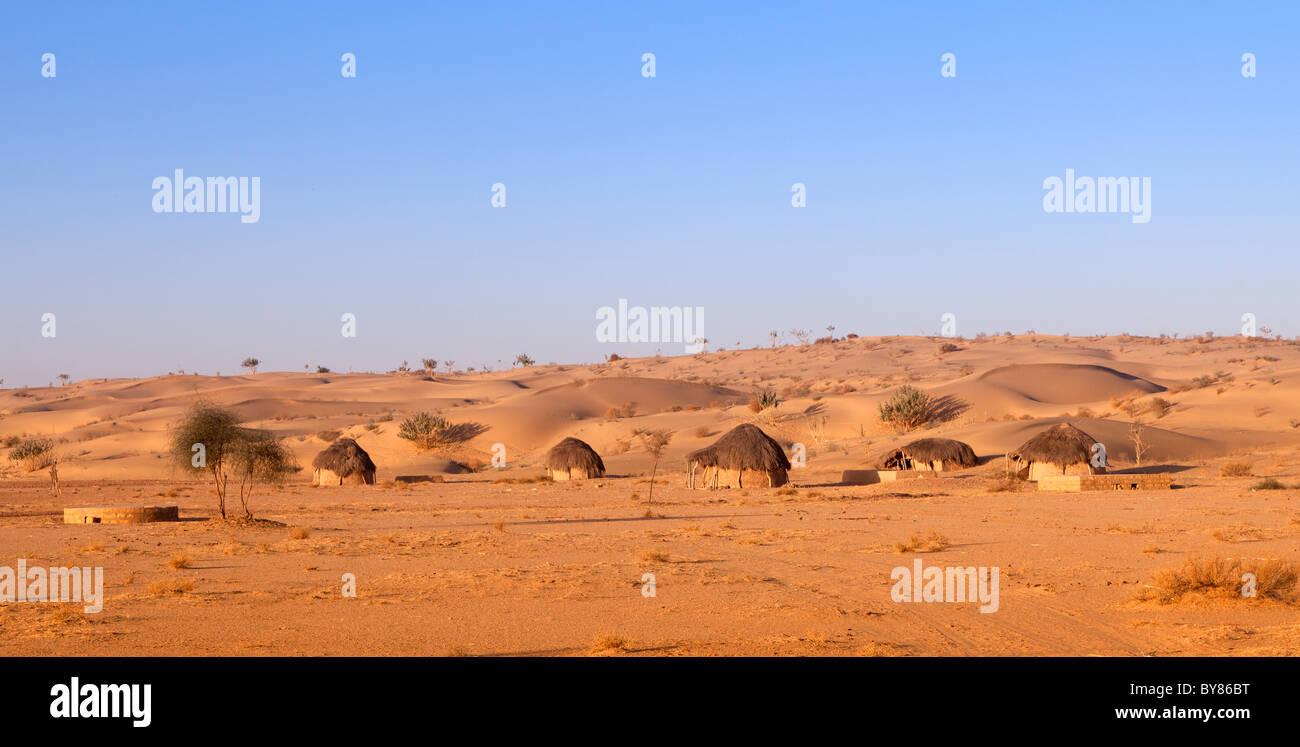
[
  {"x": 999, "y": 391},
  {"x": 1066, "y": 383},
  {"x": 485, "y": 566}
]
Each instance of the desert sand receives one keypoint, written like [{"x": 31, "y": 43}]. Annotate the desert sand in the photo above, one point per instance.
[{"x": 493, "y": 561}]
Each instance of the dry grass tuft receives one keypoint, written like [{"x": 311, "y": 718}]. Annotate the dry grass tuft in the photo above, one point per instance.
[
  {"x": 931, "y": 542},
  {"x": 607, "y": 643},
  {"x": 879, "y": 649},
  {"x": 180, "y": 560},
  {"x": 299, "y": 533},
  {"x": 653, "y": 556},
  {"x": 164, "y": 587},
  {"x": 1006, "y": 484},
  {"x": 1223, "y": 578},
  {"x": 1236, "y": 469}
]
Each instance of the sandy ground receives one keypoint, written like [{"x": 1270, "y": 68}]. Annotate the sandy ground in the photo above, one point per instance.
[{"x": 494, "y": 563}]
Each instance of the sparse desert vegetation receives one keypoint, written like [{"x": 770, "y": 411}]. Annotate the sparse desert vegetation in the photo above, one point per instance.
[{"x": 475, "y": 549}]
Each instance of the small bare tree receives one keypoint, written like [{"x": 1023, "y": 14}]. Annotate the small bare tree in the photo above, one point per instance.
[
  {"x": 250, "y": 365},
  {"x": 654, "y": 442},
  {"x": 1140, "y": 445}
]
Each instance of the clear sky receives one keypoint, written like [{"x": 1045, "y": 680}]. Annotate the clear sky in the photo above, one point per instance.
[{"x": 924, "y": 192}]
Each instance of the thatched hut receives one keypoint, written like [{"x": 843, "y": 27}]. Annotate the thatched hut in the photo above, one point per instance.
[
  {"x": 930, "y": 454},
  {"x": 343, "y": 462},
  {"x": 1059, "y": 450},
  {"x": 745, "y": 455},
  {"x": 573, "y": 459}
]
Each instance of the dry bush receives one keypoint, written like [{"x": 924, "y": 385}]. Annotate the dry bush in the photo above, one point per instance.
[
  {"x": 908, "y": 409},
  {"x": 702, "y": 432},
  {"x": 653, "y": 556},
  {"x": 1006, "y": 484},
  {"x": 180, "y": 560},
  {"x": 33, "y": 453},
  {"x": 608, "y": 642},
  {"x": 329, "y": 436},
  {"x": 299, "y": 533},
  {"x": 163, "y": 587},
  {"x": 1159, "y": 406},
  {"x": 796, "y": 390},
  {"x": 1223, "y": 578},
  {"x": 879, "y": 649},
  {"x": 1236, "y": 469},
  {"x": 931, "y": 542},
  {"x": 434, "y": 432},
  {"x": 626, "y": 411}
]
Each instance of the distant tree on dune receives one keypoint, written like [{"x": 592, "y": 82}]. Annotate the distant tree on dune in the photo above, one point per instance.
[{"x": 250, "y": 365}]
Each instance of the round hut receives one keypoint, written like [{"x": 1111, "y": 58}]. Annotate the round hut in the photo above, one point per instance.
[
  {"x": 930, "y": 455},
  {"x": 573, "y": 459},
  {"x": 343, "y": 462},
  {"x": 744, "y": 456},
  {"x": 1059, "y": 450}
]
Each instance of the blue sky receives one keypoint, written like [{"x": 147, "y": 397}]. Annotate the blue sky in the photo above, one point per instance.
[{"x": 924, "y": 192}]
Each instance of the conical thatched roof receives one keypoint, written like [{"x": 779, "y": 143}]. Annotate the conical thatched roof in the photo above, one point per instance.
[
  {"x": 344, "y": 458},
  {"x": 572, "y": 453},
  {"x": 744, "y": 447},
  {"x": 1061, "y": 444},
  {"x": 927, "y": 450}
]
